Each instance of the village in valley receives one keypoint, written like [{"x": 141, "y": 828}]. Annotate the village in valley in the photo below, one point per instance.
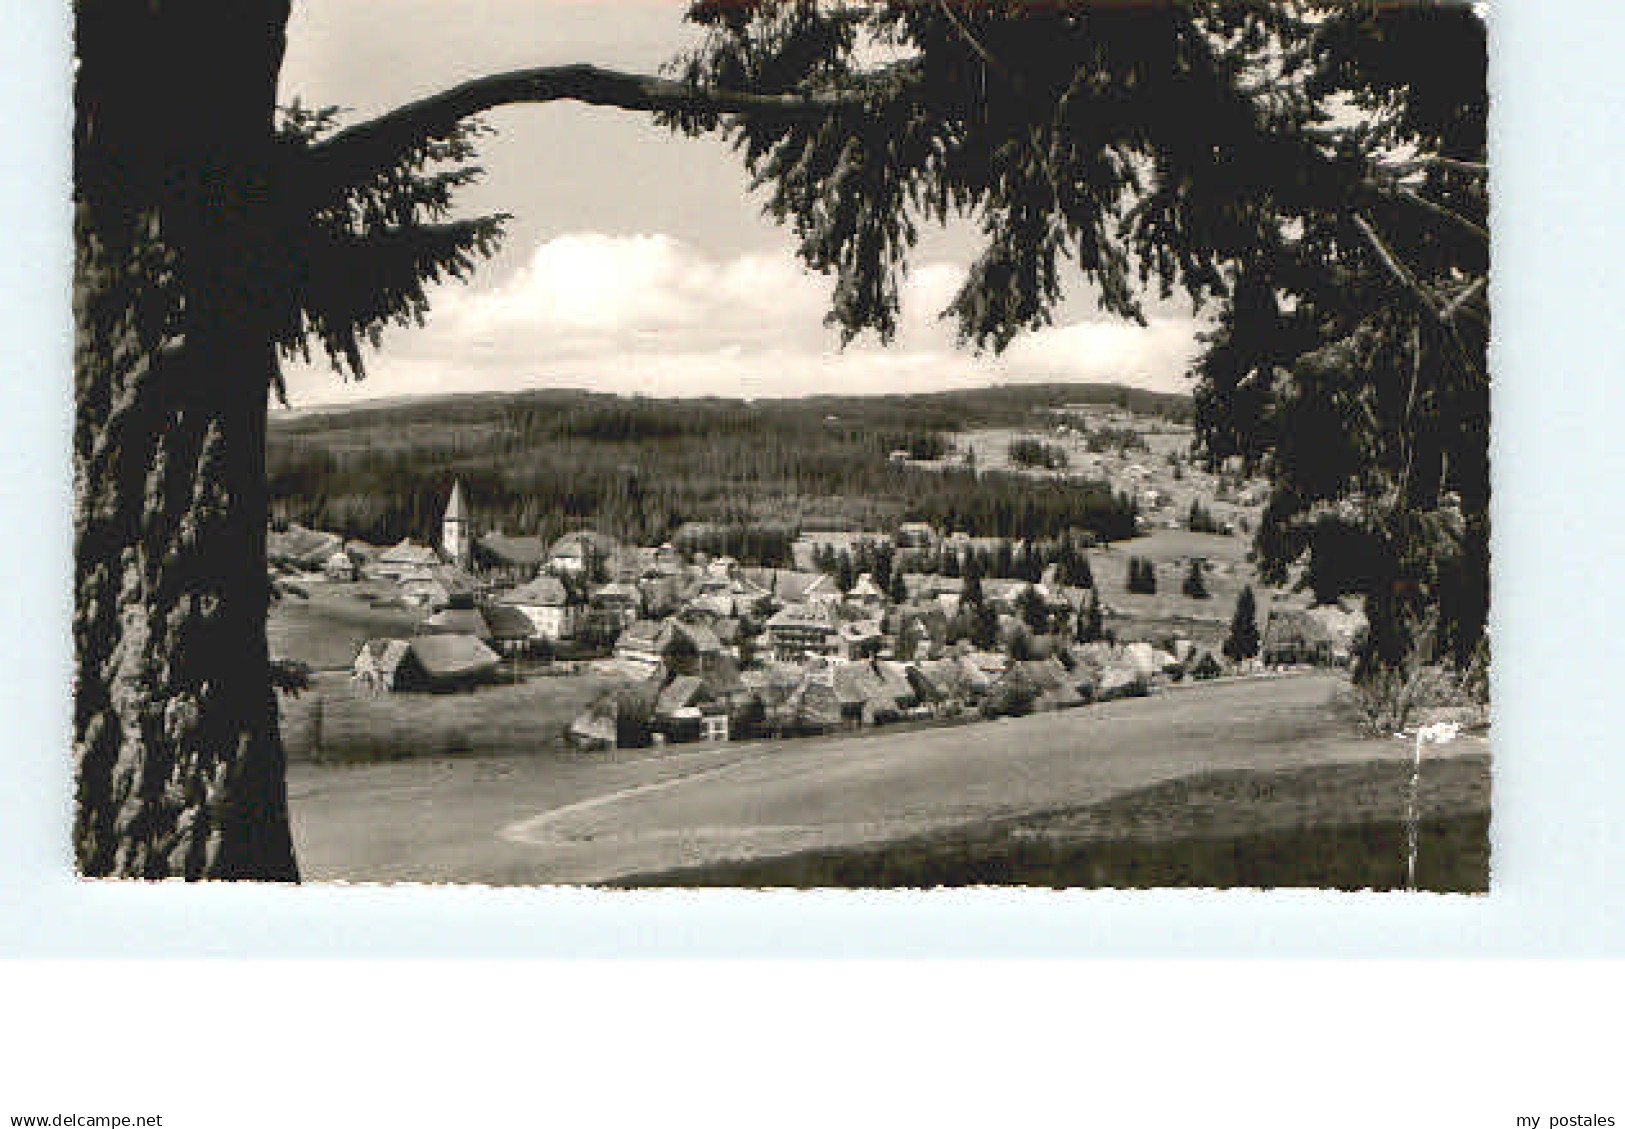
[{"x": 487, "y": 640}]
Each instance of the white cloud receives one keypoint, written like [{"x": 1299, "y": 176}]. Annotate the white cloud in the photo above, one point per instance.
[{"x": 650, "y": 314}]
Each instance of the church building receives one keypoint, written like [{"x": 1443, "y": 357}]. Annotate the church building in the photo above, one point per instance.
[{"x": 456, "y": 531}]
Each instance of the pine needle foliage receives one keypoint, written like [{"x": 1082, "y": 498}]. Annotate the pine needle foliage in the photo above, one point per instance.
[
  {"x": 356, "y": 258},
  {"x": 1313, "y": 174}
]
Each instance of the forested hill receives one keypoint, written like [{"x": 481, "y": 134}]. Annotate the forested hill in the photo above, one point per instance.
[
  {"x": 970, "y": 407},
  {"x": 549, "y": 461}
]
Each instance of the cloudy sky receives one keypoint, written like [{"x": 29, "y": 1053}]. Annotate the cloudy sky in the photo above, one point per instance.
[{"x": 637, "y": 262}]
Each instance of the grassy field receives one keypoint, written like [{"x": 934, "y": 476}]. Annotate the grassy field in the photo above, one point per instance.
[
  {"x": 1336, "y": 826},
  {"x": 326, "y": 627},
  {"x": 1167, "y": 545},
  {"x": 1140, "y": 616},
  {"x": 1253, "y": 782},
  {"x": 337, "y": 721}
]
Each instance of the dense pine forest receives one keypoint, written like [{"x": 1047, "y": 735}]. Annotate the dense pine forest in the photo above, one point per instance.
[{"x": 546, "y": 462}]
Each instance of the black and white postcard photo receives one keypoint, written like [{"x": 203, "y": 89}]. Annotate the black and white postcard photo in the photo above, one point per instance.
[{"x": 782, "y": 443}]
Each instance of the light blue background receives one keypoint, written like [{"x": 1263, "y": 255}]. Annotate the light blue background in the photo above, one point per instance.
[{"x": 1559, "y": 776}]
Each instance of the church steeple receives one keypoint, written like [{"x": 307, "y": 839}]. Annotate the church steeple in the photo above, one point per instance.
[{"x": 456, "y": 534}]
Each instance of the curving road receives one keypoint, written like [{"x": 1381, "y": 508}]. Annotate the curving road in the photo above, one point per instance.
[{"x": 577, "y": 819}]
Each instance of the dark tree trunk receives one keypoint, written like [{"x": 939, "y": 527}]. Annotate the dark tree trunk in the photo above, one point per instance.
[{"x": 179, "y": 763}]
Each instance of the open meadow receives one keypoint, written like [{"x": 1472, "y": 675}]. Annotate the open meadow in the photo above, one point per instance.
[
  {"x": 1334, "y": 826},
  {"x": 325, "y": 623},
  {"x": 1168, "y": 611},
  {"x": 337, "y": 719},
  {"x": 655, "y": 816}
]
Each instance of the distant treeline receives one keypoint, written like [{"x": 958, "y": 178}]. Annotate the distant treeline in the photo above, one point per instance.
[
  {"x": 549, "y": 462},
  {"x": 765, "y": 544}
]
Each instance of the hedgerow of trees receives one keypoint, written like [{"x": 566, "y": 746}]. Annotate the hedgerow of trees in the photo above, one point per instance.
[
  {"x": 1036, "y": 453},
  {"x": 1009, "y": 559},
  {"x": 1201, "y": 520}
]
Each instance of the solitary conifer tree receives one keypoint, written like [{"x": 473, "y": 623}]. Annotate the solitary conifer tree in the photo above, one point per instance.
[
  {"x": 1093, "y": 626},
  {"x": 1034, "y": 612},
  {"x": 1142, "y": 576},
  {"x": 984, "y": 629},
  {"x": 970, "y": 595},
  {"x": 898, "y": 590},
  {"x": 1083, "y": 576},
  {"x": 845, "y": 573},
  {"x": 1243, "y": 643},
  {"x": 1195, "y": 585}
]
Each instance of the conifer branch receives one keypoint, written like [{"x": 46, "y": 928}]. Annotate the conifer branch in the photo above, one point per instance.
[
  {"x": 1423, "y": 299},
  {"x": 1467, "y": 294},
  {"x": 1391, "y": 262},
  {"x": 1456, "y": 218},
  {"x": 353, "y": 154},
  {"x": 1468, "y": 168}
]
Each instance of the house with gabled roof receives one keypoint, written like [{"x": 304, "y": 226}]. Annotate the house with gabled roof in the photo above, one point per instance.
[
  {"x": 455, "y": 621},
  {"x": 786, "y": 586},
  {"x": 919, "y": 631},
  {"x": 553, "y": 612},
  {"x": 613, "y": 607},
  {"x": 623, "y": 717},
  {"x": 594, "y": 730},
  {"x": 423, "y": 589},
  {"x": 810, "y": 708},
  {"x": 859, "y": 639},
  {"x": 301, "y": 547},
  {"x": 582, "y": 552},
  {"x": 712, "y": 601},
  {"x": 688, "y": 709},
  {"x": 1322, "y": 636},
  {"x": 948, "y": 680},
  {"x": 404, "y": 557},
  {"x": 1004, "y": 594},
  {"x": 453, "y": 661},
  {"x": 927, "y": 586},
  {"x": 798, "y": 631},
  {"x": 772, "y": 682},
  {"x": 681, "y": 648},
  {"x": 641, "y": 645},
  {"x": 916, "y": 535},
  {"x": 509, "y": 559},
  {"x": 873, "y": 692},
  {"x": 377, "y": 663},
  {"x": 510, "y": 630},
  {"x": 339, "y": 567},
  {"x": 699, "y": 637},
  {"x": 866, "y": 594},
  {"x": 425, "y": 662}
]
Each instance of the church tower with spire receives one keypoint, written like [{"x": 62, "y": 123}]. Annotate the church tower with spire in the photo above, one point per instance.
[{"x": 456, "y": 534}]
